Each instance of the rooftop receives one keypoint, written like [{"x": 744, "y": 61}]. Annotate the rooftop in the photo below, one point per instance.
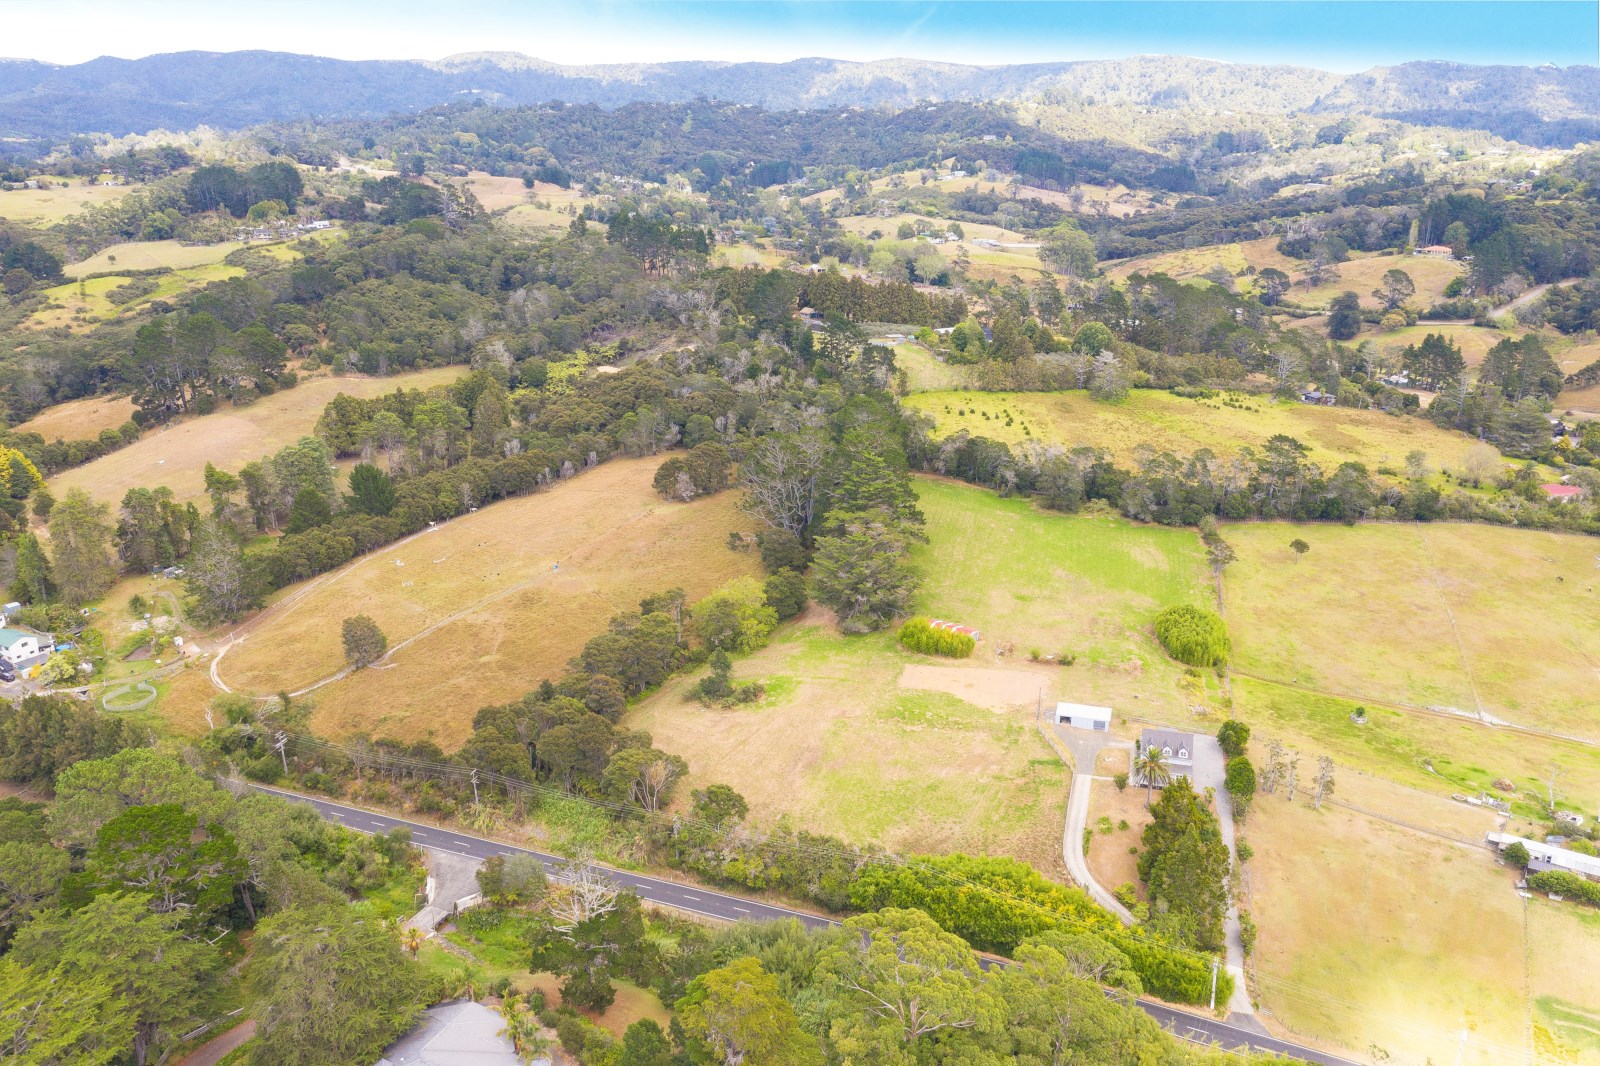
[
  {"x": 1562, "y": 492},
  {"x": 462, "y": 1033},
  {"x": 1168, "y": 738}
]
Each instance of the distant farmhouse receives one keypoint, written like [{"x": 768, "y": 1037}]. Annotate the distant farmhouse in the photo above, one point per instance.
[{"x": 1177, "y": 751}]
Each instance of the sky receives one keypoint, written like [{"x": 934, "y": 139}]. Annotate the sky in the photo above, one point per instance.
[{"x": 1339, "y": 35}]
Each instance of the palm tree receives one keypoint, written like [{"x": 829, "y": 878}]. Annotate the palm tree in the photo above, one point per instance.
[
  {"x": 411, "y": 939},
  {"x": 1152, "y": 766}
]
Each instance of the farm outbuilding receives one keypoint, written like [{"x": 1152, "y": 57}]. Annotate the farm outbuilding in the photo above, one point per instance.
[{"x": 1083, "y": 716}]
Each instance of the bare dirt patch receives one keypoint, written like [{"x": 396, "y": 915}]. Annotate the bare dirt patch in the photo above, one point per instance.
[{"x": 998, "y": 690}]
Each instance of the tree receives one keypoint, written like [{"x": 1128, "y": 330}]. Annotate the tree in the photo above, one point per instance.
[
  {"x": 1300, "y": 547},
  {"x": 146, "y": 959},
  {"x": 1240, "y": 782},
  {"x": 1272, "y": 283},
  {"x": 307, "y": 959},
  {"x": 1068, "y": 250},
  {"x": 1151, "y": 765},
  {"x": 1233, "y": 737},
  {"x": 34, "y": 582},
  {"x": 738, "y": 1015},
  {"x": 80, "y": 546},
  {"x": 1109, "y": 382},
  {"x": 785, "y": 593},
  {"x": 92, "y": 792},
  {"x": 309, "y": 510},
  {"x": 1185, "y": 865},
  {"x": 158, "y": 853},
  {"x": 515, "y": 878},
  {"x": 902, "y": 983},
  {"x": 1091, "y": 339},
  {"x": 735, "y": 617},
  {"x": 364, "y": 642},
  {"x": 861, "y": 572},
  {"x": 56, "y": 1018},
  {"x": 1516, "y": 854},
  {"x": 1395, "y": 288},
  {"x": 1324, "y": 785},
  {"x": 215, "y": 575},
  {"x": 1344, "y": 316},
  {"x": 371, "y": 490},
  {"x": 644, "y": 1044}
]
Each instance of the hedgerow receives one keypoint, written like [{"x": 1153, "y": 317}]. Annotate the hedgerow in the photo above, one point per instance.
[
  {"x": 919, "y": 635},
  {"x": 1193, "y": 636}
]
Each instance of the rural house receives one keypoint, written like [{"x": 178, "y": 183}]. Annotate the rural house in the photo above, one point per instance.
[
  {"x": 1177, "y": 751},
  {"x": 1083, "y": 716},
  {"x": 462, "y": 1033},
  {"x": 1562, "y": 493},
  {"x": 22, "y": 649}
]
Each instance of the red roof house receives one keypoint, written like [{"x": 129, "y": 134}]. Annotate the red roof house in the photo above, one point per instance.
[{"x": 1562, "y": 492}]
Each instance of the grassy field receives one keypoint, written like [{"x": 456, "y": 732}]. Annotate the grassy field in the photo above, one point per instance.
[
  {"x": 1564, "y": 982},
  {"x": 747, "y": 255},
  {"x": 924, "y": 372},
  {"x": 1474, "y": 341},
  {"x": 492, "y": 615},
  {"x": 83, "y": 305},
  {"x": 1172, "y": 423},
  {"x": 555, "y": 214},
  {"x": 148, "y": 255},
  {"x": 78, "y": 419},
  {"x": 1455, "y": 615},
  {"x": 176, "y": 456},
  {"x": 860, "y": 738},
  {"x": 1235, "y": 256},
  {"x": 1362, "y": 274},
  {"x": 45, "y": 207},
  {"x": 1371, "y": 934},
  {"x": 986, "y": 262}
]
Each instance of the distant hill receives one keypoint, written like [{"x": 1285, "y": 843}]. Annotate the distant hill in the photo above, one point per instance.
[{"x": 230, "y": 90}]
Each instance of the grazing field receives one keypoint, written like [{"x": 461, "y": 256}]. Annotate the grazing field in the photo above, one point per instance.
[
  {"x": 496, "y": 193},
  {"x": 1471, "y": 617},
  {"x": 1474, "y": 341},
  {"x": 558, "y": 208},
  {"x": 1372, "y": 934},
  {"x": 1235, "y": 256},
  {"x": 177, "y": 455},
  {"x": 1571, "y": 358},
  {"x": 1562, "y": 940},
  {"x": 79, "y": 419},
  {"x": 747, "y": 255},
  {"x": 1168, "y": 422},
  {"x": 85, "y": 304},
  {"x": 1361, "y": 274},
  {"x": 494, "y": 602},
  {"x": 1015, "y": 253},
  {"x": 924, "y": 371},
  {"x": 861, "y": 738},
  {"x": 148, "y": 255},
  {"x": 45, "y": 207}
]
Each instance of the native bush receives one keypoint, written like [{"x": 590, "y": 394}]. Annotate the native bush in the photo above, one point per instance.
[
  {"x": 919, "y": 635},
  {"x": 1193, "y": 636}
]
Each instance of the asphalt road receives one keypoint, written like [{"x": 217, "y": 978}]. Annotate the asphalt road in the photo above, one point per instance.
[{"x": 703, "y": 901}]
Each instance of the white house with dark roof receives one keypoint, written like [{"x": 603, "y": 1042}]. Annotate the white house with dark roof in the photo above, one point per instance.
[
  {"x": 23, "y": 649},
  {"x": 1177, "y": 751}
]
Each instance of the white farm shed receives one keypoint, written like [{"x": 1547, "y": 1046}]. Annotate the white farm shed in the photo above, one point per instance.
[{"x": 1083, "y": 716}]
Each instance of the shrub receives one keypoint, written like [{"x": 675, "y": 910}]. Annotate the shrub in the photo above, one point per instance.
[
  {"x": 1517, "y": 855},
  {"x": 1572, "y": 886},
  {"x": 920, "y": 636},
  {"x": 1120, "y": 780},
  {"x": 1234, "y": 736},
  {"x": 1193, "y": 636},
  {"x": 1244, "y": 850}
]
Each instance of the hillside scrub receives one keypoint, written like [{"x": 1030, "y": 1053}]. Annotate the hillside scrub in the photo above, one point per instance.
[
  {"x": 1193, "y": 635},
  {"x": 918, "y": 634}
]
